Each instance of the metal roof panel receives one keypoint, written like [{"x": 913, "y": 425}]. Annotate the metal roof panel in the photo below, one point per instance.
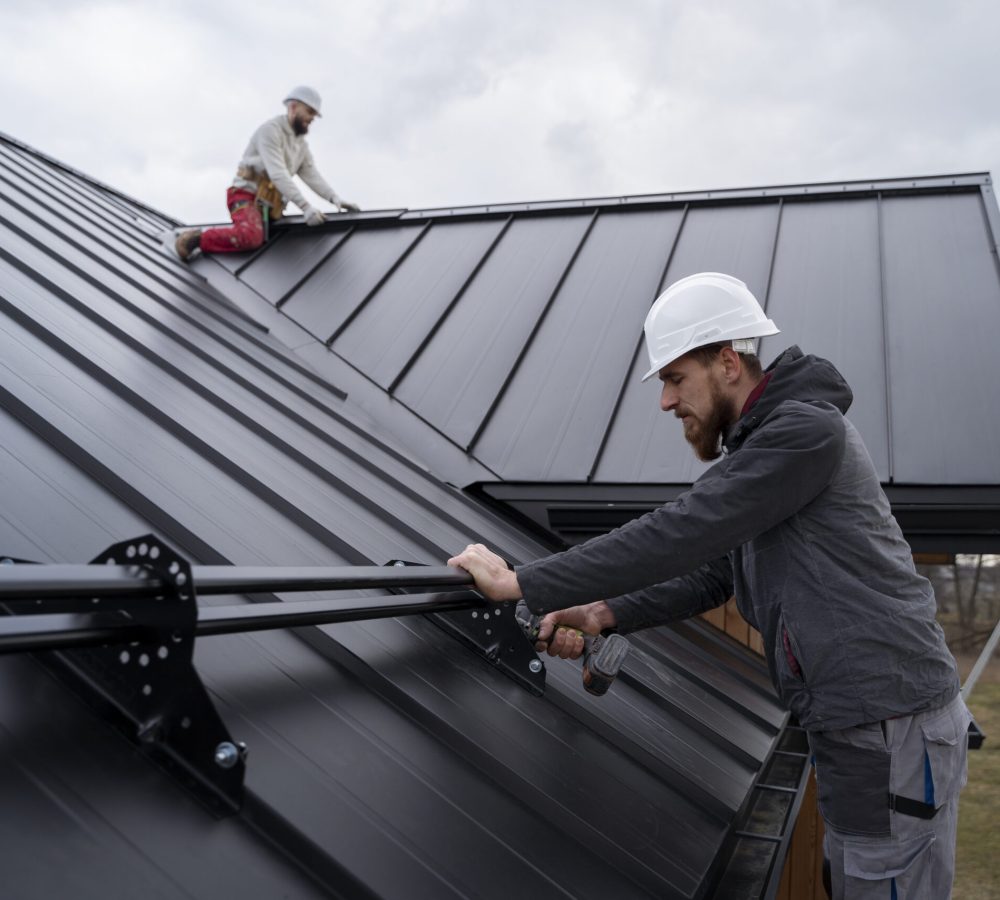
[
  {"x": 388, "y": 331},
  {"x": 548, "y": 425},
  {"x": 387, "y": 758},
  {"x": 826, "y": 296},
  {"x": 643, "y": 444},
  {"x": 943, "y": 313},
  {"x": 468, "y": 363},
  {"x": 341, "y": 280}
]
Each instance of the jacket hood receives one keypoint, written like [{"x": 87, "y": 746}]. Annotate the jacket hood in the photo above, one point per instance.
[{"x": 794, "y": 376}]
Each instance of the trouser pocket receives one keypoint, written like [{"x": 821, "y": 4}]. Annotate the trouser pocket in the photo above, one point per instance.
[
  {"x": 879, "y": 870},
  {"x": 945, "y": 745},
  {"x": 852, "y": 785}
]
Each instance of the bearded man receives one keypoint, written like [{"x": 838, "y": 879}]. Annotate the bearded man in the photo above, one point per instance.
[
  {"x": 264, "y": 181},
  {"x": 791, "y": 520}
]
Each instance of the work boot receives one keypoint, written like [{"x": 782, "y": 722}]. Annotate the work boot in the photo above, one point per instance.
[{"x": 187, "y": 242}]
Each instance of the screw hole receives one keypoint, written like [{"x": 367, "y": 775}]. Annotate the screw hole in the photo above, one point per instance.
[
  {"x": 147, "y": 690},
  {"x": 124, "y": 657}
]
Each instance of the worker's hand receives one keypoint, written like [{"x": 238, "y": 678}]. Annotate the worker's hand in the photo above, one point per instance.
[
  {"x": 561, "y": 632},
  {"x": 347, "y": 206},
  {"x": 312, "y": 215},
  {"x": 493, "y": 579}
]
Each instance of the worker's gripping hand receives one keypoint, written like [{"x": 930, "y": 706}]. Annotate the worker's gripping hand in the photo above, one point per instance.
[
  {"x": 313, "y": 216},
  {"x": 493, "y": 579},
  {"x": 344, "y": 205},
  {"x": 561, "y": 633}
]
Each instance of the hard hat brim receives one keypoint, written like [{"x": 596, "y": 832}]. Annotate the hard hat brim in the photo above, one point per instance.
[{"x": 764, "y": 329}]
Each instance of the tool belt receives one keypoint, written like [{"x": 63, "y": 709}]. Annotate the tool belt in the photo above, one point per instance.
[{"x": 267, "y": 193}]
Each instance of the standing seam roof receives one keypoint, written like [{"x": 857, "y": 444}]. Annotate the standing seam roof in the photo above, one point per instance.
[
  {"x": 527, "y": 362},
  {"x": 531, "y": 364},
  {"x": 386, "y": 758}
]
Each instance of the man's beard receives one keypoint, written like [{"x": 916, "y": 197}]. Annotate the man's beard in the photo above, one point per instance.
[
  {"x": 299, "y": 127},
  {"x": 705, "y": 435}
]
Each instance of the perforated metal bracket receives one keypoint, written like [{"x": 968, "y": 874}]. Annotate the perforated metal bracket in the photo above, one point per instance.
[
  {"x": 495, "y": 634},
  {"x": 149, "y": 688}
]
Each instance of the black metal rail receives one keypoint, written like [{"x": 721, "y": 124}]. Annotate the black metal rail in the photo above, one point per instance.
[
  {"x": 38, "y": 582},
  {"x": 23, "y": 587},
  {"x": 52, "y": 631}
]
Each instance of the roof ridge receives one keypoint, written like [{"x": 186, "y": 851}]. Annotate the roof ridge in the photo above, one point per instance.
[{"x": 915, "y": 183}]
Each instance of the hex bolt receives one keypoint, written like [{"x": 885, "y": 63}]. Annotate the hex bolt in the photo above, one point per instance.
[
  {"x": 226, "y": 755},
  {"x": 535, "y": 665}
]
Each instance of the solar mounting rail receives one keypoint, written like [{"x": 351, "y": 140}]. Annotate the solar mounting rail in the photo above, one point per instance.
[{"x": 120, "y": 631}]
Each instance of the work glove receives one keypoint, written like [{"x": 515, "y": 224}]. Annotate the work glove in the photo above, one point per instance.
[
  {"x": 344, "y": 205},
  {"x": 313, "y": 216}
]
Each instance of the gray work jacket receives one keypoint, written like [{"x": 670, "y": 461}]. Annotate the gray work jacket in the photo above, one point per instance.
[{"x": 793, "y": 521}]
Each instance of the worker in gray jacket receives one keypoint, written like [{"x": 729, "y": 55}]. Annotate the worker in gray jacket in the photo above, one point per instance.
[{"x": 791, "y": 520}]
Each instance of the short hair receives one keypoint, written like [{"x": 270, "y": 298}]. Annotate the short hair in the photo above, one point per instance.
[{"x": 707, "y": 354}]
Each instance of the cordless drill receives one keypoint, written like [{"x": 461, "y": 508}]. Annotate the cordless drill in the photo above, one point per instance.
[{"x": 602, "y": 656}]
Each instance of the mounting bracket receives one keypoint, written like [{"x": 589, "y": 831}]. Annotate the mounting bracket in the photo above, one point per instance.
[
  {"x": 496, "y": 635},
  {"x": 148, "y": 688}
]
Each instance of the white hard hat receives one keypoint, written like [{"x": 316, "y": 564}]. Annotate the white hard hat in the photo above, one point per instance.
[
  {"x": 701, "y": 309},
  {"x": 307, "y": 95}
]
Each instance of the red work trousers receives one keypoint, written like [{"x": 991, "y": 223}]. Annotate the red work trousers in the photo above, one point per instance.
[{"x": 246, "y": 232}]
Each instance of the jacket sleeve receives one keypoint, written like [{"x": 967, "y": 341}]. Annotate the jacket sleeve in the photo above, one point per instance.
[
  {"x": 784, "y": 464},
  {"x": 310, "y": 175},
  {"x": 688, "y": 595},
  {"x": 269, "y": 145}
]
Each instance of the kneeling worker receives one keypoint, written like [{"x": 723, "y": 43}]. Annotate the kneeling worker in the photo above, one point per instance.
[
  {"x": 264, "y": 181},
  {"x": 792, "y": 520}
]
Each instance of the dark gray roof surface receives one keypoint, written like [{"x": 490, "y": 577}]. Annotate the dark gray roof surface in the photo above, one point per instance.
[
  {"x": 514, "y": 330},
  {"x": 386, "y": 758}
]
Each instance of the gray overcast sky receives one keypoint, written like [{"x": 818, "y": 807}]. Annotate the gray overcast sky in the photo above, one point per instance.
[{"x": 451, "y": 102}]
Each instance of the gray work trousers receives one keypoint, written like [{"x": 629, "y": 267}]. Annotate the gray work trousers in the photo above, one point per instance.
[{"x": 876, "y": 851}]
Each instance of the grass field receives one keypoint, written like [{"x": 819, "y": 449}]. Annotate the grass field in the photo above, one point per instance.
[{"x": 977, "y": 867}]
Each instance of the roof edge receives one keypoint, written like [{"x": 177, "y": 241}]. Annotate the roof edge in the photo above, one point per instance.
[{"x": 52, "y": 161}]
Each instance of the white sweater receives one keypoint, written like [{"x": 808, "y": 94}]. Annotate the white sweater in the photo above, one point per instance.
[{"x": 276, "y": 149}]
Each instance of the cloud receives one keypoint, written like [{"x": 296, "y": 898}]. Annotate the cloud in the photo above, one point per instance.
[{"x": 448, "y": 102}]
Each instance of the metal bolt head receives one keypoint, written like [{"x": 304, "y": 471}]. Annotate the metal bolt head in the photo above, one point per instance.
[
  {"x": 226, "y": 755},
  {"x": 535, "y": 665}
]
